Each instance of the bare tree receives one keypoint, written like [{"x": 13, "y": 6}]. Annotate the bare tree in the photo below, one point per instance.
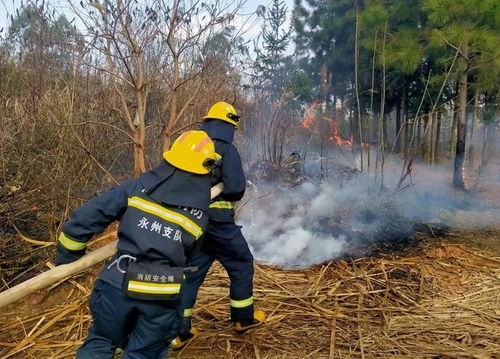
[
  {"x": 191, "y": 27},
  {"x": 123, "y": 33}
]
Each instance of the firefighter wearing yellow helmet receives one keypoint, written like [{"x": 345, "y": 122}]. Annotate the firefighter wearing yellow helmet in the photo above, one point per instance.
[
  {"x": 194, "y": 152},
  {"x": 223, "y": 240},
  {"x": 161, "y": 215},
  {"x": 224, "y": 112}
]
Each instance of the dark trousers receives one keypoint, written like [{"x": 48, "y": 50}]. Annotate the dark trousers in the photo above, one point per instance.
[
  {"x": 223, "y": 242},
  {"x": 143, "y": 329}
]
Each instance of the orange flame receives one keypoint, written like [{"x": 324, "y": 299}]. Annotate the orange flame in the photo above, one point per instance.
[
  {"x": 335, "y": 137},
  {"x": 310, "y": 114}
]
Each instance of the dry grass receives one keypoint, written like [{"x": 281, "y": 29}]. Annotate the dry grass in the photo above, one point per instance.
[{"x": 442, "y": 302}]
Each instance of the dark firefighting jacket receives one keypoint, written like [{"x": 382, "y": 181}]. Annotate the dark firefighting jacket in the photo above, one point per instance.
[
  {"x": 230, "y": 172},
  {"x": 162, "y": 214}
]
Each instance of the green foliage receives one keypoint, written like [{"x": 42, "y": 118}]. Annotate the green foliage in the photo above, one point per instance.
[
  {"x": 469, "y": 27},
  {"x": 325, "y": 34},
  {"x": 374, "y": 17},
  {"x": 301, "y": 87},
  {"x": 398, "y": 24},
  {"x": 413, "y": 41},
  {"x": 404, "y": 52}
]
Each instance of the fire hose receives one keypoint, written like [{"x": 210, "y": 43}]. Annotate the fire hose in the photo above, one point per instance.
[{"x": 61, "y": 272}]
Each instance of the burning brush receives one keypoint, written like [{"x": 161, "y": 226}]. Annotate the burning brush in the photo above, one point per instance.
[{"x": 335, "y": 136}]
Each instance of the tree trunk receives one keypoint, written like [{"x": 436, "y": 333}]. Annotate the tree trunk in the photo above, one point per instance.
[
  {"x": 404, "y": 137},
  {"x": 173, "y": 105},
  {"x": 429, "y": 137},
  {"x": 385, "y": 118},
  {"x": 490, "y": 143},
  {"x": 139, "y": 160},
  {"x": 458, "y": 168},
  {"x": 489, "y": 146},
  {"x": 397, "y": 145},
  {"x": 358, "y": 135},
  {"x": 482, "y": 164},
  {"x": 438, "y": 136},
  {"x": 425, "y": 137},
  {"x": 140, "y": 127},
  {"x": 407, "y": 130},
  {"x": 172, "y": 45},
  {"x": 453, "y": 134},
  {"x": 324, "y": 75},
  {"x": 418, "y": 140},
  {"x": 433, "y": 138},
  {"x": 472, "y": 129},
  {"x": 354, "y": 125}
]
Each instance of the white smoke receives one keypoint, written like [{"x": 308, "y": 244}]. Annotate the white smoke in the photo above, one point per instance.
[
  {"x": 312, "y": 223},
  {"x": 278, "y": 228}
]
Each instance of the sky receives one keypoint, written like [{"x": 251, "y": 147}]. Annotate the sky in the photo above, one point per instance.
[{"x": 252, "y": 27}]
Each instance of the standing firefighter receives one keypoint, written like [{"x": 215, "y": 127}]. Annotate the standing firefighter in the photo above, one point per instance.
[
  {"x": 223, "y": 240},
  {"x": 161, "y": 214}
]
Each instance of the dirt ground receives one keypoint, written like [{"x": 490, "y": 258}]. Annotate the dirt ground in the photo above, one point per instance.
[{"x": 440, "y": 299}]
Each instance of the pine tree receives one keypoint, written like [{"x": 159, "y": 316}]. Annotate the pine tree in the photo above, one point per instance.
[
  {"x": 272, "y": 64},
  {"x": 394, "y": 33},
  {"x": 325, "y": 34},
  {"x": 468, "y": 28}
]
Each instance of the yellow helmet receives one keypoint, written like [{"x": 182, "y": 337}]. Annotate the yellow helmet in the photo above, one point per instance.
[
  {"x": 193, "y": 152},
  {"x": 225, "y": 112}
]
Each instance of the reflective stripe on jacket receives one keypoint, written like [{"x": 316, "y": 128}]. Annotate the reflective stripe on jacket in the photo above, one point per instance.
[
  {"x": 148, "y": 229},
  {"x": 231, "y": 171}
]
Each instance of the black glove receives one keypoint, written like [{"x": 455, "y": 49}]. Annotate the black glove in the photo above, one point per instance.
[
  {"x": 65, "y": 256},
  {"x": 216, "y": 170}
]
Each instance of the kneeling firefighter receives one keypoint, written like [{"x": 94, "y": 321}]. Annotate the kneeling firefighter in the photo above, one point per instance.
[
  {"x": 223, "y": 240},
  {"x": 162, "y": 214}
]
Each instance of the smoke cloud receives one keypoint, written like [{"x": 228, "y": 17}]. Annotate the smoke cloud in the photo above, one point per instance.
[{"x": 312, "y": 222}]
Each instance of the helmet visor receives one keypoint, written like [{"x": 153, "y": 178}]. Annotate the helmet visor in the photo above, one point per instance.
[{"x": 233, "y": 117}]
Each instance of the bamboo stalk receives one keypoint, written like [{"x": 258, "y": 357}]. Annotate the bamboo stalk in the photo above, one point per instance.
[{"x": 332, "y": 338}]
